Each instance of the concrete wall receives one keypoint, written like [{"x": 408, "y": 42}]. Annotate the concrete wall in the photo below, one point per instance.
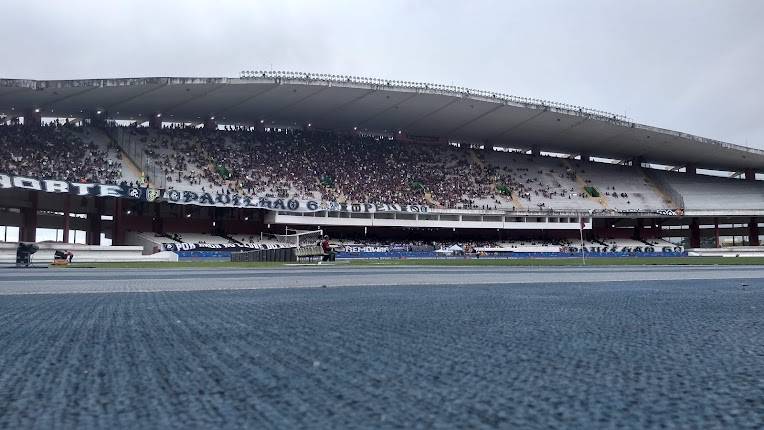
[
  {"x": 85, "y": 253},
  {"x": 442, "y": 221},
  {"x": 732, "y": 251}
]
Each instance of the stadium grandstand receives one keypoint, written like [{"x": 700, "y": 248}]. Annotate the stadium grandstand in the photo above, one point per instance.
[{"x": 206, "y": 166}]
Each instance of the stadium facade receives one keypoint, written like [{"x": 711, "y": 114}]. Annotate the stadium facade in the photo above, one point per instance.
[{"x": 675, "y": 201}]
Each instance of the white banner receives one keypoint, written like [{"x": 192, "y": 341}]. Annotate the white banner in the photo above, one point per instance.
[{"x": 187, "y": 197}]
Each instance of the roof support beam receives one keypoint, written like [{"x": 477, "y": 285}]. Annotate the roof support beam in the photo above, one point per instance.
[
  {"x": 576, "y": 124},
  {"x": 464, "y": 124},
  {"x": 247, "y": 99},
  {"x": 515, "y": 126},
  {"x": 112, "y": 106},
  {"x": 272, "y": 114},
  {"x": 431, "y": 113},
  {"x": 602, "y": 142},
  {"x": 13, "y": 92},
  {"x": 345, "y": 105},
  {"x": 52, "y": 104},
  {"x": 169, "y": 109},
  {"x": 384, "y": 111}
]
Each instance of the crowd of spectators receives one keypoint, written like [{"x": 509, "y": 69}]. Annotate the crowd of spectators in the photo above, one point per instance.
[
  {"x": 314, "y": 164},
  {"x": 542, "y": 182},
  {"x": 352, "y": 169},
  {"x": 57, "y": 151},
  {"x": 346, "y": 168}
]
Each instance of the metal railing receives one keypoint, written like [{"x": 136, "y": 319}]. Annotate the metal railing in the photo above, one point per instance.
[
  {"x": 660, "y": 181},
  {"x": 265, "y": 255},
  {"x": 281, "y": 76},
  {"x": 134, "y": 149}
]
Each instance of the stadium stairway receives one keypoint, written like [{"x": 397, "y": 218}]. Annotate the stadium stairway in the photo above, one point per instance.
[
  {"x": 129, "y": 167},
  {"x": 476, "y": 159},
  {"x": 516, "y": 202},
  {"x": 582, "y": 184},
  {"x": 667, "y": 193},
  {"x": 231, "y": 239},
  {"x": 428, "y": 198},
  {"x": 172, "y": 239},
  {"x": 130, "y": 170}
]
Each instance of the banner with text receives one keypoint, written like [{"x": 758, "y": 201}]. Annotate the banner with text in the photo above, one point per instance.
[
  {"x": 232, "y": 247},
  {"x": 188, "y": 197}
]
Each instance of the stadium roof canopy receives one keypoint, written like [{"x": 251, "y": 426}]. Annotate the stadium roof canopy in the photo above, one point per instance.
[{"x": 346, "y": 102}]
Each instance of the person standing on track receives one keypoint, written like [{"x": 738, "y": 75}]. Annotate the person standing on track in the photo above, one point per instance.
[{"x": 326, "y": 249}]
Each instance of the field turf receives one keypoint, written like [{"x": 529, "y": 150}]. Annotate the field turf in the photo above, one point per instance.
[{"x": 527, "y": 262}]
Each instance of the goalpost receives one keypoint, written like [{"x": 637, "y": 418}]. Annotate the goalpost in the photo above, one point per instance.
[
  {"x": 300, "y": 238},
  {"x": 294, "y": 245}
]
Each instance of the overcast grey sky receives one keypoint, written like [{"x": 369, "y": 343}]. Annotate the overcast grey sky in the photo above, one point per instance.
[{"x": 692, "y": 66}]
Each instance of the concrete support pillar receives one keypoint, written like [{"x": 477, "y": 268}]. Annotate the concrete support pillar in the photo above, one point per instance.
[
  {"x": 716, "y": 232},
  {"x": 67, "y": 208},
  {"x": 691, "y": 169},
  {"x": 32, "y": 117},
  {"x": 117, "y": 226},
  {"x": 637, "y": 161},
  {"x": 98, "y": 117},
  {"x": 155, "y": 121},
  {"x": 749, "y": 175},
  {"x": 28, "y": 229},
  {"x": 753, "y": 232},
  {"x": 157, "y": 225},
  {"x": 93, "y": 234},
  {"x": 585, "y": 156},
  {"x": 639, "y": 225},
  {"x": 694, "y": 233},
  {"x": 210, "y": 124}
]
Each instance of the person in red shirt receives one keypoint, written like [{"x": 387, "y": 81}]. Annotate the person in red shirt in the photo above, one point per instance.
[{"x": 327, "y": 250}]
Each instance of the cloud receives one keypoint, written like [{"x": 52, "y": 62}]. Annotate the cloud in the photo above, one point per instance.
[{"x": 688, "y": 65}]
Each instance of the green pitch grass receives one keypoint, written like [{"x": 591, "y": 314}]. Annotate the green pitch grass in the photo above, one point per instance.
[{"x": 529, "y": 262}]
